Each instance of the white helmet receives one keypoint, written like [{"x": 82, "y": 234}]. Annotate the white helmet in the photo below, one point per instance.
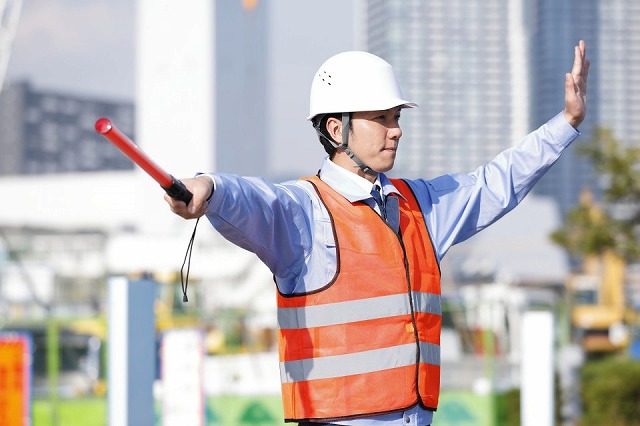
[{"x": 355, "y": 81}]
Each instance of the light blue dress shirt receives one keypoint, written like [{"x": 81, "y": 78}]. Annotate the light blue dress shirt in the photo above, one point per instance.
[{"x": 288, "y": 228}]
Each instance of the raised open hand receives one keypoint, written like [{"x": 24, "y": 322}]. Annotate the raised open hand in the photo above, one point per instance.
[{"x": 575, "y": 88}]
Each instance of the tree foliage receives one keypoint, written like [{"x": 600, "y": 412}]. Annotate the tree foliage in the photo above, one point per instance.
[{"x": 590, "y": 229}]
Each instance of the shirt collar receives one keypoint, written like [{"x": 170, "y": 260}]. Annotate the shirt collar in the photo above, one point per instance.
[{"x": 350, "y": 185}]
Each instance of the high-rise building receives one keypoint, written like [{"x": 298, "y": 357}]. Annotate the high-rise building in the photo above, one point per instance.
[
  {"x": 611, "y": 29},
  {"x": 556, "y": 27},
  {"x": 485, "y": 74},
  {"x": 464, "y": 63},
  {"x": 46, "y": 132},
  {"x": 202, "y": 76},
  {"x": 617, "y": 76}
]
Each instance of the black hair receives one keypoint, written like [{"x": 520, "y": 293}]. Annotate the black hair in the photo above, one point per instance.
[{"x": 320, "y": 125}]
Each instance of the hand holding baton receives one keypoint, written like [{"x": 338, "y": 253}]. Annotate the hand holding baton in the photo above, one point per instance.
[{"x": 172, "y": 186}]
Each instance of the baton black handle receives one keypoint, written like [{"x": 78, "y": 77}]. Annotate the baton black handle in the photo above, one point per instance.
[{"x": 178, "y": 191}]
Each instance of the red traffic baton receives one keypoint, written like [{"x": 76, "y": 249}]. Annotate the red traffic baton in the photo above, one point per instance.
[{"x": 172, "y": 186}]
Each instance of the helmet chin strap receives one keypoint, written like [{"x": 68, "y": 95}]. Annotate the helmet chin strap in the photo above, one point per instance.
[{"x": 346, "y": 125}]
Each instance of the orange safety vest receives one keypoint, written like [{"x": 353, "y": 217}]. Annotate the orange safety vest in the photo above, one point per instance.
[{"x": 368, "y": 342}]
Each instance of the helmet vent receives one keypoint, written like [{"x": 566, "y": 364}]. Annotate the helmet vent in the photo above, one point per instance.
[{"x": 325, "y": 77}]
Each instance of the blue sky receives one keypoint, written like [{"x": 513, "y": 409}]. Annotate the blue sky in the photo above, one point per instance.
[{"x": 82, "y": 47}]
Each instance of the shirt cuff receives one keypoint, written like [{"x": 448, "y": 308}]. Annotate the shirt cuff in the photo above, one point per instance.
[
  {"x": 213, "y": 189},
  {"x": 560, "y": 129}
]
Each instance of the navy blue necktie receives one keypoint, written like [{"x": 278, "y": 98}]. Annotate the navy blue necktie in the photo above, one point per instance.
[{"x": 375, "y": 193}]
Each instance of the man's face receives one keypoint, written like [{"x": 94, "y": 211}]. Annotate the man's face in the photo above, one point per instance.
[{"x": 375, "y": 137}]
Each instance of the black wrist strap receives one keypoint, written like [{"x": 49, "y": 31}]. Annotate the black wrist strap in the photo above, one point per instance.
[{"x": 184, "y": 277}]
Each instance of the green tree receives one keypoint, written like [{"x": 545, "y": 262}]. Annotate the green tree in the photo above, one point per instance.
[{"x": 592, "y": 230}]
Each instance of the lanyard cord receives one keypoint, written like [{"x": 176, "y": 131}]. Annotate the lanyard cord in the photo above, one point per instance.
[{"x": 184, "y": 278}]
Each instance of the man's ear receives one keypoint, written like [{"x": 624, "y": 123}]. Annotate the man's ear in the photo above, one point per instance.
[{"x": 334, "y": 128}]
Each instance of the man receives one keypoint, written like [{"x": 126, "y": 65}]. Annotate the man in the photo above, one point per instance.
[{"x": 355, "y": 255}]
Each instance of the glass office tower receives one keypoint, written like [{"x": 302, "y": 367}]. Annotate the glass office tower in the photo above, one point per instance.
[{"x": 464, "y": 63}]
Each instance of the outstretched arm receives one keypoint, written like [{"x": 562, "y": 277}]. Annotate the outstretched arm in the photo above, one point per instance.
[{"x": 575, "y": 87}]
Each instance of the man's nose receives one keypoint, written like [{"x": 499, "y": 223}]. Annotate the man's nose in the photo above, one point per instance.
[{"x": 395, "y": 132}]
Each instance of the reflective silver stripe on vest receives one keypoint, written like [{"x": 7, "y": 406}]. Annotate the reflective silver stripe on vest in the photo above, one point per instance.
[
  {"x": 429, "y": 353},
  {"x": 343, "y": 312},
  {"x": 357, "y": 363},
  {"x": 349, "y": 364},
  {"x": 427, "y": 302}
]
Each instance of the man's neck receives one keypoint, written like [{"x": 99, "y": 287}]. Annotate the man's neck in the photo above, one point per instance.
[{"x": 342, "y": 159}]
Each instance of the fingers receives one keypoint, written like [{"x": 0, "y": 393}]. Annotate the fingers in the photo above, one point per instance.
[
  {"x": 570, "y": 88},
  {"x": 190, "y": 211},
  {"x": 578, "y": 59},
  {"x": 581, "y": 64},
  {"x": 576, "y": 87},
  {"x": 583, "y": 49},
  {"x": 585, "y": 70},
  {"x": 580, "y": 68},
  {"x": 200, "y": 188},
  {"x": 178, "y": 207}
]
